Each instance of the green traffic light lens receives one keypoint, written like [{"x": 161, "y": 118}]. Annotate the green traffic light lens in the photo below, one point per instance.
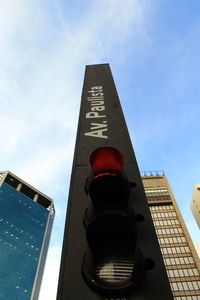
[
  {"x": 110, "y": 261},
  {"x": 114, "y": 271}
]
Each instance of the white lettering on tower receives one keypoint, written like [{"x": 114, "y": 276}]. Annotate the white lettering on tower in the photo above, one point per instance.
[{"x": 98, "y": 126}]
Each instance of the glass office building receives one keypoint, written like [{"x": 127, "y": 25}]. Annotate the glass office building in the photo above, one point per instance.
[
  {"x": 179, "y": 255},
  {"x": 26, "y": 218}
]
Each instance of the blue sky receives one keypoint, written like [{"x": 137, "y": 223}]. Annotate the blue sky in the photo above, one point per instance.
[{"x": 152, "y": 47}]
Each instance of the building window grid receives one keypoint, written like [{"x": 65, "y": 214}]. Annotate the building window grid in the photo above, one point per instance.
[
  {"x": 166, "y": 222},
  {"x": 185, "y": 286},
  {"x": 187, "y": 297},
  {"x": 169, "y": 231},
  {"x": 162, "y": 207},
  {"x": 157, "y": 194},
  {"x": 194, "y": 297},
  {"x": 156, "y": 191},
  {"x": 165, "y": 212},
  {"x": 175, "y": 250},
  {"x": 158, "y": 197},
  {"x": 172, "y": 240},
  {"x": 179, "y": 261},
  {"x": 190, "y": 272}
]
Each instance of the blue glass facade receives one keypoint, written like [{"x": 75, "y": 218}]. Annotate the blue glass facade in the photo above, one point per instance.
[{"x": 22, "y": 228}]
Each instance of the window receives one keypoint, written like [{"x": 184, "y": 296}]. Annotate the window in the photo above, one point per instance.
[
  {"x": 168, "y": 231},
  {"x": 172, "y": 240},
  {"x": 165, "y": 222},
  {"x": 156, "y": 191},
  {"x": 183, "y": 272},
  {"x": 14, "y": 235},
  {"x": 185, "y": 286},
  {"x": 187, "y": 297},
  {"x": 163, "y": 214},
  {"x": 179, "y": 261},
  {"x": 158, "y": 198},
  {"x": 162, "y": 207},
  {"x": 174, "y": 250}
]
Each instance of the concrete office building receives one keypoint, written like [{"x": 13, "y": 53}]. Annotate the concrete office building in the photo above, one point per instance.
[
  {"x": 180, "y": 257},
  {"x": 197, "y": 249},
  {"x": 26, "y": 218},
  {"x": 195, "y": 204}
]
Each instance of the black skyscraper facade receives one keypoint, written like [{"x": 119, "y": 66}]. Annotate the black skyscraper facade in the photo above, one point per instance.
[{"x": 110, "y": 249}]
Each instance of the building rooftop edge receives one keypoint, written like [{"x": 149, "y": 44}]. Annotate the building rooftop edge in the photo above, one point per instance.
[
  {"x": 7, "y": 172},
  {"x": 103, "y": 64},
  {"x": 152, "y": 173}
]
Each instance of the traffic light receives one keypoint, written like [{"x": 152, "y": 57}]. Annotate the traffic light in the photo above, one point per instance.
[
  {"x": 110, "y": 248},
  {"x": 113, "y": 263}
]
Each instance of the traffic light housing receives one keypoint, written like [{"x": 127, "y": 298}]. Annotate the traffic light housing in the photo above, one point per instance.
[
  {"x": 113, "y": 263},
  {"x": 110, "y": 248}
]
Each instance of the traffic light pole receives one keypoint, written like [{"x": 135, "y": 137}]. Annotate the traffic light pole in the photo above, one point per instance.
[{"x": 102, "y": 125}]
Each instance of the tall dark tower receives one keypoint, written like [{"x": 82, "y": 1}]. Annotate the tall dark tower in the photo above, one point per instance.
[{"x": 110, "y": 249}]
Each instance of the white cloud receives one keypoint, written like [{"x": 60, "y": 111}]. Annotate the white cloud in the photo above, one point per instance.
[
  {"x": 39, "y": 91},
  {"x": 51, "y": 273},
  {"x": 42, "y": 67},
  {"x": 45, "y": 164},
  {"x": 123, "y": 16},
  {"x": 12, "y": 130}
]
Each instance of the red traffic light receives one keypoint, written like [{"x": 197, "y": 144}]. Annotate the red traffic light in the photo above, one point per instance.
[{"x": 107, "y": 160}]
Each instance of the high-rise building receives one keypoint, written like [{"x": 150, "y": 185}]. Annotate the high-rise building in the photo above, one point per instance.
[
  {"x": 26, "y": 218},
  {"x": 197, "y": 249},
  {"x": 180, "y": 257},
  {"x": 195, "y": 204}
]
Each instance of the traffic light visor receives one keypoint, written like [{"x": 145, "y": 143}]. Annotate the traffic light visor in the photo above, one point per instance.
[{"x": 106, "y": 159}]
